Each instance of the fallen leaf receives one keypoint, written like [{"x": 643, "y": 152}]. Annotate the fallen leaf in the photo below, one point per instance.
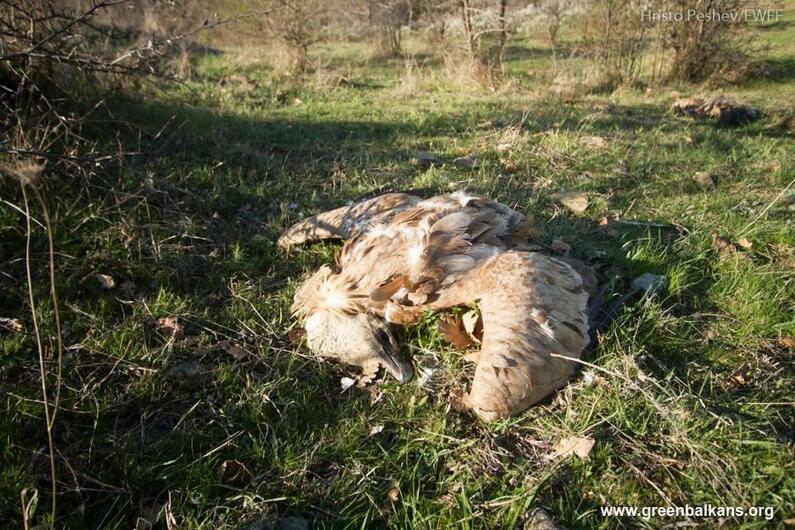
[
  {"x": 233, "y": 471},
  {"x": 774, "y": 166},
  {"x": 106, "y": 281},
  {"x": 560, "y": 246},
  {"x": 473, "y": 324},
  {"x": 745, "y": 243},
  {"x": 573, "y": 445},
  {"x": 787, "y": 341},
  {"x": 295, "y": 335},
  {"x": 452, "y": 328},
  {"x": 227, "y": 346},
  {"x": 740, "y": 380},
  {"x": 510, "y": 167},
  {"x": 170, "y": 326},
  {"x": 575, "y": 201},
  {"x": 721, "y": 245},
  {"x": 11, "y": 324},
  {"x": 394, "y": 494}
]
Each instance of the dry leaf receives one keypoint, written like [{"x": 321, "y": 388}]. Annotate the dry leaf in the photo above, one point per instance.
[
  {"x": 170, "y": 326},
  {"x": 573, "y": 445},
  {"x": 560, "y": 246},
  {"x": 721, "y": 245},
  {"x": 232, "y": 349},
  {"x": 106, "y": 281},
  {"x": 575, "y": 201},
  {"x": 295, "y": 335},
  {"x": 233, "y": 471},
  {"x": 394, "y": 494},
  {"x": 12, "y": 324},
  {"x": 787, "y": 341},
  {"x": 452, "y": 328},
  {"x": 740, "y": 380},
  {"x": 473, "y": 325},
  {"x": 774, "y": 166},
  {"x": 745, "y": 243}
]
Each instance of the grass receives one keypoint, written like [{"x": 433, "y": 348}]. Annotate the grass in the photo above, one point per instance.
[{"x": 688, "y": 397}]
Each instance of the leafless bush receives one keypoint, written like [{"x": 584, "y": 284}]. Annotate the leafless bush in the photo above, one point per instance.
[
  {"x": 484, "y": 29},
  {"x": 702, "y": 50},
  {"x": 681, "y": 40},
  {"x": 553, "y": 13},
  {"x": 386, "y": 19}
]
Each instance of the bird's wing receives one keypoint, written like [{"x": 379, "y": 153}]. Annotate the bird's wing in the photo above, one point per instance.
[
  {"x": 534, "y": 311},
  {"x": 342, "y": 222}
]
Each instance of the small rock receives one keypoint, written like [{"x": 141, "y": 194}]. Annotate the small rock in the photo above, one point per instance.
[
  {"x": 596, "y": 142},
  {"x": 705, "y": 180},
  {"x": 539, "y": 519},
  {"x": 346, "y": 383},
  {"x": 576, "y": 201},
  {"x": 282, "y": 523},
  {"x": 560, "y": 246},
  {"x": 293, "y": 523},
  {"x": 376, "y": 429},
  {"x": 106, "y": 281},
  {"x": 650, "y": 284},
  {"x": 467, "y": 162},
  {"x": 425, "y": 160},
  {"x": 186, "y": 371}
]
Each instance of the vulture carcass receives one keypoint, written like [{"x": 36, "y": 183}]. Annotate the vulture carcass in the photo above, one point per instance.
[{"x": 404, "y": 256}]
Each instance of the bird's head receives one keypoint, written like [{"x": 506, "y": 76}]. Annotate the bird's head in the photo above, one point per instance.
[{"x": 338, "y": 325}]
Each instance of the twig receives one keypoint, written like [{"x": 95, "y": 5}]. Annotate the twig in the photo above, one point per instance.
[
  {"x": 42, "y": 371},
  {"x": 763, "y": 212},
  {"x": 54, "y": 297}
]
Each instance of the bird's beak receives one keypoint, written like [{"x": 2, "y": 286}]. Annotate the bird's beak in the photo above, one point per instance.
[{"x": 396, "y": 366}]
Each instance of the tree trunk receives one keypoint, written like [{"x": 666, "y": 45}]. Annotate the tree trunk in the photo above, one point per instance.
[
  {"x": 503, "y": 33},
  {"x": 466, "y": 18}
]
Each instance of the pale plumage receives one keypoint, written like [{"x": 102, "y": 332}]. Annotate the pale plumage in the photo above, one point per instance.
[{"x": 405, "y": 256}]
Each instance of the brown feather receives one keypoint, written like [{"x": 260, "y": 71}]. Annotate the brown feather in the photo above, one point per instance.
[{"x": 387, "y": 289}]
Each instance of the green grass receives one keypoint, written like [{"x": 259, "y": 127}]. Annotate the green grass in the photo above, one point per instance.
[{"x": 690, "y": 399}]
